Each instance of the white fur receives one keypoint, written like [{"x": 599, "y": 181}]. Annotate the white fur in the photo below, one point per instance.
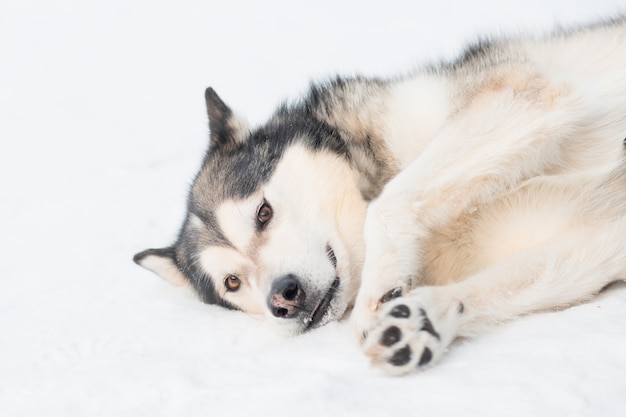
[
  {"x": 418, "y": 110},
  {"x": 524, "y": 187},
  {"x": 237, "y": 220}
]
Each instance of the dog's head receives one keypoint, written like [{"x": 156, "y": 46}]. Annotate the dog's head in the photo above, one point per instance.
[{"x": 274, "y": 221}]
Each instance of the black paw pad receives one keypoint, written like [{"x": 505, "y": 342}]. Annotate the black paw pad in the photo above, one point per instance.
[
  {"x": 401, "y": 357},
  {"x": 427, "y": 355},
  {"x": 390, "y": 336},
  {"x": 391, "y": 294},
  {"x": 427, "y": 326},
  {"x": 400, "y": 311}
]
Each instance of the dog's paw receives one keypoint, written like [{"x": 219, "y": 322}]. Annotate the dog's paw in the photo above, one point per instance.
[
  {"x": 365, "y": 312},
  {"x": 412, "y": 332}
]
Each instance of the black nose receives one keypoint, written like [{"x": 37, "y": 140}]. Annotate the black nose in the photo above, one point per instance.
[{"x": 286, "y": 298}]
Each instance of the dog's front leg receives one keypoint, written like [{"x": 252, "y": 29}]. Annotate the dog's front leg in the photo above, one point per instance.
[
  {"x": 503, "y": 137},
  {"x": 391, "y": 268},
  {"x": 414, "y": 331}
]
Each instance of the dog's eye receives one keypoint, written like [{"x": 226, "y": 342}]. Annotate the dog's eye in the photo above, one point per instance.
[
  {"x": 264, "y": 214},
  {"x": 232, "y": 283}
]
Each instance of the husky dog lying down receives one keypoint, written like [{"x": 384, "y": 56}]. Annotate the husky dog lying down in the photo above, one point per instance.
[{"x": 432, "y": 206}]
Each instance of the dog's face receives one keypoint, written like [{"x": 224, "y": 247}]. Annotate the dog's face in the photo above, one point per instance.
[{"x": 274, "y": 222}]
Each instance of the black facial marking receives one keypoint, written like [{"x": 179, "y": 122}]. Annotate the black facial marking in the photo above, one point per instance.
[
  {"x": 390, "y": 336},
  {"x": 401, "y": 311},
  {"x": 427, "y": 326},
  {"x": 391, "y": 294},
  {"x": 426, "y": 357},
  {"x": 401, "y": 357}
]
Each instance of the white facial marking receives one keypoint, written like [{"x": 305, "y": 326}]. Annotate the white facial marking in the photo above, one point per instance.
[
  {"x": 237, "y": 220},
  {"x": 220, "y": 262}
]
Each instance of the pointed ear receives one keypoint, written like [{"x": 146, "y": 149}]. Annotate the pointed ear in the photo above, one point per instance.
[
  {"x": 226, "y": 128},
  {"x": 163, "y": 263}
]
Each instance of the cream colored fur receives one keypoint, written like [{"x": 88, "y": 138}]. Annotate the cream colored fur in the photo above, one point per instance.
[{"x": 515, "y": 203}]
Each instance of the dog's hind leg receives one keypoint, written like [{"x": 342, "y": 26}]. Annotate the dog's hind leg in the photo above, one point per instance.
[
  {"x": 511, "y": 130},
  {"x": 413, "y": 331}
]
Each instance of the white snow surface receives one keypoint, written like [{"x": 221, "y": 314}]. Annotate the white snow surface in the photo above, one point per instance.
[{"x": 102, "y": 127}]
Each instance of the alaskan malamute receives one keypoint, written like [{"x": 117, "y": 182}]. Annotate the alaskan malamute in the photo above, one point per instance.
[{"x": 431, "y": 206}]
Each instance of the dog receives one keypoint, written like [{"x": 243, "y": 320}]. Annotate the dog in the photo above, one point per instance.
[{"x": 426, "y": 207}]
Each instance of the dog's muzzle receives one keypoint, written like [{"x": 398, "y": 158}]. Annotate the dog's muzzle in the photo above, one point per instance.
[
  {"x": 287, "y": 300},
  {"x": 287, "y": 297}
]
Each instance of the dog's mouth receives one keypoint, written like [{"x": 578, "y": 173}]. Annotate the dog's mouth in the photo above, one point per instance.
[
  {"x": 324, "y": 304},
  {"x": 331, "y": 256},
  {"x": 322, "y": 307}
]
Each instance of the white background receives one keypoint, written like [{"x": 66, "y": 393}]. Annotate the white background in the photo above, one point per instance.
[{"x": 102, "y": 127}]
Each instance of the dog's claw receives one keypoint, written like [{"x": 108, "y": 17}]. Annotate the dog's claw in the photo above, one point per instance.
[{"x": 390, "y": 295}]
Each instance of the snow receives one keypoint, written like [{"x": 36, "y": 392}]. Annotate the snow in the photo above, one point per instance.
[{"x": 102, "y": 126}]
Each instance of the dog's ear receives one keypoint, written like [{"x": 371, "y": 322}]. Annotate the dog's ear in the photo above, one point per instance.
[
  {"x": 226, "y": 128},
  {"x": 163, "y": 263}
]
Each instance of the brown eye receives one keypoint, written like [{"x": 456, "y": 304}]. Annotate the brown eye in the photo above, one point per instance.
[
  {"x": 232, "y": 283},
  {"x": 264, "y": 214}
]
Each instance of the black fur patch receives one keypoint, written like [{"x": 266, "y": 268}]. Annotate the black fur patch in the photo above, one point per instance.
[{"x": 219, "y": 116}]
